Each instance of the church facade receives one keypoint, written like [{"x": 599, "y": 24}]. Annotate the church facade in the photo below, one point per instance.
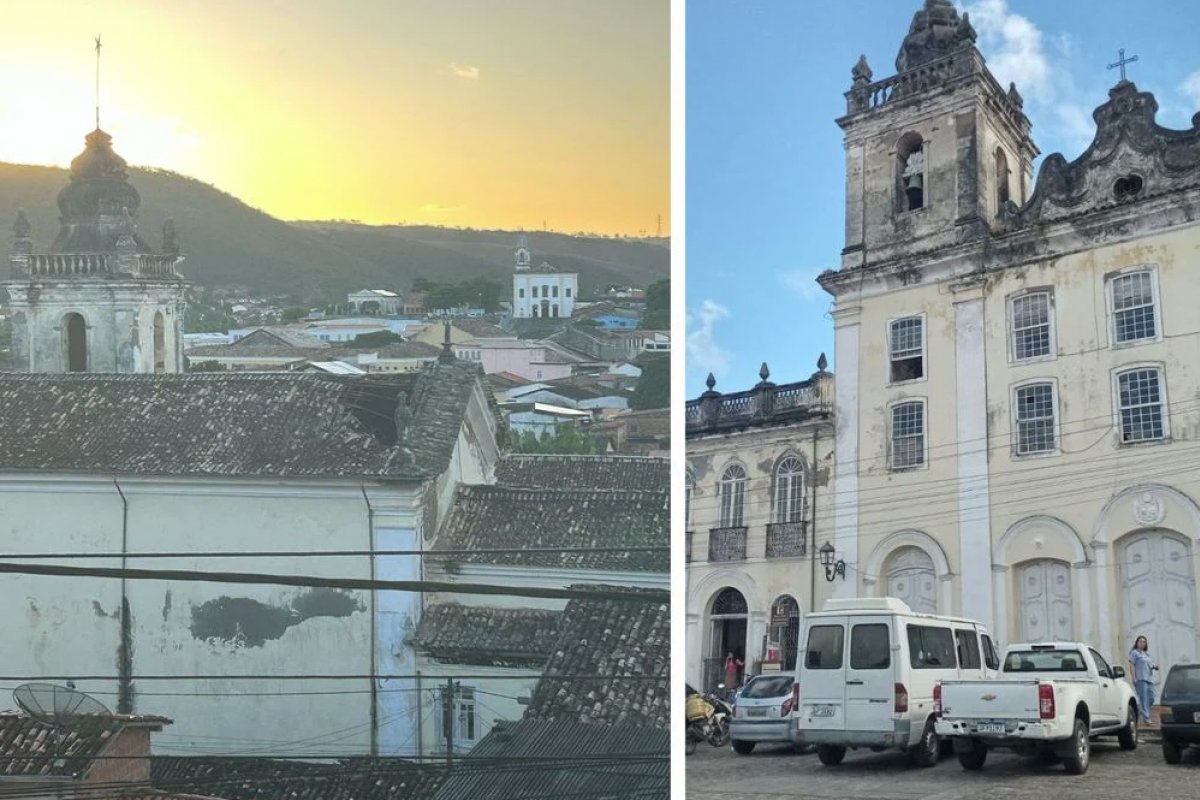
[
  {"x": 100, "y": 299},
  {"x": 1017, "y": 373},
  {"x": 541, "y": 291}
]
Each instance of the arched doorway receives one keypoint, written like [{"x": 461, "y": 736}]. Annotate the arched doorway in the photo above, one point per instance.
[
  {"x": 1158, "y": 595},
  {"x": 727, "y": 634},
  {"x": 784, "y": 633},
  {"x": 75, "y": 343},
  {"x": 1045, "y": 607},
  {"x": 160, "y": 349},
  {"x": 912, "y": 578}
]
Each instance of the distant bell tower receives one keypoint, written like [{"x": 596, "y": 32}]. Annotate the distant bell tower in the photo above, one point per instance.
[
  {"x": 100, "y": 299},
  {"x": 935, "y": 153},
  {"x": 521, "y": 254}
]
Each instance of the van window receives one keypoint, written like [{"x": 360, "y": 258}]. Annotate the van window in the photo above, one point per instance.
[
  {"x": 989, "y": 653},
  {"x": 968, "y": 649},
  {"x": 930, "y": 647},
  {"x": 824, "y": 647},
  {"x": 870, "y": 646}
]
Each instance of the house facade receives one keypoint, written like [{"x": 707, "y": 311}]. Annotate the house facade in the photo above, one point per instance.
[
  {"x": 1016, "y": 360},
  {"x": 758, "y": 507}
]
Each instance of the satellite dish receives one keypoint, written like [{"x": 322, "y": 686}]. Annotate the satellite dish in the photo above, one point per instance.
[{"x": 56, "y": 705}]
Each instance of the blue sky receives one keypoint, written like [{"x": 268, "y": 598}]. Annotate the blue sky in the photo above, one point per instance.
[{"x": 765, "y": 167}]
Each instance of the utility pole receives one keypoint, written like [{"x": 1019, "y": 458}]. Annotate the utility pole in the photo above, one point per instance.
[{"x": 448, "y": 717}]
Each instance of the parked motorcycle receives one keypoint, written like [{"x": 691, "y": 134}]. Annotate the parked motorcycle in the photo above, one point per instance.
[{"x": 707, "y": 720}]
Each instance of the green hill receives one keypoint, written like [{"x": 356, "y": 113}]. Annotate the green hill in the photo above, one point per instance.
[{"x": 229, "y": 244}]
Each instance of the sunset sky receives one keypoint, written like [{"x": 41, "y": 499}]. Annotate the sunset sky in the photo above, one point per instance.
[{"x": 451, "y": 112}]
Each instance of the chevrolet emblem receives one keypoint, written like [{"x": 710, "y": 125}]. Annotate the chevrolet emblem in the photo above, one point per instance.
[{"x": 988, "y": 697}]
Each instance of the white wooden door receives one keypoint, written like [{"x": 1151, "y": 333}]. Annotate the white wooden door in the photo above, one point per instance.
[
  {"x": 911, "y": 578},
  {"x": 1047, "y": 613},
  {"x": 1159, "y": 594}
]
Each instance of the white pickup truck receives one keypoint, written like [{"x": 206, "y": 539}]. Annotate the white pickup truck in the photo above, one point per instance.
[{"x": 1051, "y": 698}]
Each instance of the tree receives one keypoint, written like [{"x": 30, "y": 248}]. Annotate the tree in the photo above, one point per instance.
[
  {"x": 658, "y": 296},
  {"x": 376, "y": 339},
  {"x": 653, "y": 388},
  {"x": 293, "y": 314},
  {"x": 566, "y": 440},
  {"x": 204, "y": 366}
]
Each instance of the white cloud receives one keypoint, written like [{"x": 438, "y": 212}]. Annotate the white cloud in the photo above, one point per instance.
[
  {"x": 1014, "y": 48},
  {"x": 465, "y": 71},
  {"x": 703, "y": 351},
  {"x": 802, "y": 281},
  {"x": 1191, "y": 89}
]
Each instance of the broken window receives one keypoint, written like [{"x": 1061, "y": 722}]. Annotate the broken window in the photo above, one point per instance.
[
  {"x": 1140, "y": 399},
  {"x": 910, "y": 152},
  {"x": 1035, "y": 419},
  {"x": 1029, "y": 316},
  {"x": 908, "y": 435},
  {"x": 1133, "y": 307},
  {"x": 906, "y": 349}
]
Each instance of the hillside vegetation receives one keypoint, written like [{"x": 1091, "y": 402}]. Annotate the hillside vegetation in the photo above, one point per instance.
[{"x": 229, "y": 244}]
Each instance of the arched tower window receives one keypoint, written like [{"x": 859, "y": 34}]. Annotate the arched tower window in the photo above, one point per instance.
[
  {"x": 160, "y": 348},
  {"x": 910, "y": 172},
  {"x": 789, "y": 490},
  {"x": 732, "y": 493},
  {"x": 75, "y": 342},
  {"x": 1001, "y": 179}
]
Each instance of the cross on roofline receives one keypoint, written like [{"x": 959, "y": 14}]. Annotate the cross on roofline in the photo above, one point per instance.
[{"x": 1122, "y": 61}]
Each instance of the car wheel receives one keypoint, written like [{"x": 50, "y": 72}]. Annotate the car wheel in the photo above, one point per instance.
[
  {"x": 1172, "y": 752},
  {"x": 1076, "y": 762},
  {"x": 830, "y": 754},
  {"x": 973, "y": 758},
  {"x": 743, "y": 748},
  {"x": 1128, "y": 735},
  {"x": 929, "y": 748}
]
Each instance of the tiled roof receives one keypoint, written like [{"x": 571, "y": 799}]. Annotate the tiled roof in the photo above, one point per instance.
[
  {"x": 482, "y": 329},
  {"x": 310, "y": 352},
  {"x": 249, "y": 778},
  {"x": 278, "y": 337},
  {"x": 501, "y": 381},
  {"x": 236, "y": 424},
  {"x": 585, "y": 472},
  {"x": 484, "y": 635},
  {"x": 564, "y": 759},
  {"x": 627, "y": 645},
  {"x": 31, "y": 747},
  {"x": 486, "y": 517}
]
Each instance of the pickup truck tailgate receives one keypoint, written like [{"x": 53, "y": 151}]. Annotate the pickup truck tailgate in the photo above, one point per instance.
[{"x": 990, "y": 700}]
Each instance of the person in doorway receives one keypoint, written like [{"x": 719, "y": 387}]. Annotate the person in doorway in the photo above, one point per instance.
[
  {"x": 1141, "y": 673},
  {"x": 733, "y": 667}
]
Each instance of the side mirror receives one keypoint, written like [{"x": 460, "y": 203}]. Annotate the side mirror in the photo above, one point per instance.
[{"x": 1118, "y": 672}]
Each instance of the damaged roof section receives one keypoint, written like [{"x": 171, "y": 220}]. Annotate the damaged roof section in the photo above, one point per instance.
[
  {"x": 502, "y": 637},
  {"x": 632, "y": 473},
  {"x": 575, "y": 521},
  {"x": 34, "y": 748},
  {"x": 237, "y": 425}
]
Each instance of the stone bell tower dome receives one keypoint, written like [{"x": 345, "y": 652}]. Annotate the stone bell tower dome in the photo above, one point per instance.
[{"x": 101, "y": 299}]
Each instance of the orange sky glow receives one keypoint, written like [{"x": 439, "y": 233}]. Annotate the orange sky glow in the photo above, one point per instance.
[{"x": 480, "y": 113}]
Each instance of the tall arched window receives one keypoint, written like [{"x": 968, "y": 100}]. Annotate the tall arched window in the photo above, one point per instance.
[
  {"x": 732, "y": 493},
  {"x": 910, "y": 172},
  {"x": 789, "y": 490},
  {"x": 75, "y": 343},
  {"x": 1001, "y": 179},
  {"x": 690, "y": 488},
  {"x": 160, "y": 348}
]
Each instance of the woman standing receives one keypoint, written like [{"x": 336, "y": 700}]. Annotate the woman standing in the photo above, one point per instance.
[
  {"x": 732, "y": 668},
  {"x": 1141, "y": 672}
]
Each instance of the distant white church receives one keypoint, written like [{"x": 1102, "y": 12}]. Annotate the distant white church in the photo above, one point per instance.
[{"x": 543, "y": 291}]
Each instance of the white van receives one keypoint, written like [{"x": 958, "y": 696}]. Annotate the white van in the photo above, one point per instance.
[{"x": 866, "y": 674}]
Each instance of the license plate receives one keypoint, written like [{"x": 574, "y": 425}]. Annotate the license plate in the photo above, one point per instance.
[
  {"x": 990, "y": 727},
  {"x": 822, "y": 711},
  {"x": 756, "y": 712}
]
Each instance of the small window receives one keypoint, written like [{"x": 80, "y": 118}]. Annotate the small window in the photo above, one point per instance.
[
  {"x": 990, "y": 659},
  {"x": 906, "y": 348},
  {"x": 1134, "y": 318},
  {"x": 930, "y": 647},
  {"x": 968, "y": 649},
  {"x": 870, "y": 647},
  {"x": 824, "y": 647},
  {"x": 1035, "y": 419},
  {"x": 568, "y": 291},
  {"x": 554, "y": 291},
  {"x": 520, "y": 292},
  {"x": 732, "y": 494},
  {"x": 908, "y": 435},
  {"x": 1030, "y": 322},
  {"x": 789, "y": 491},
  {"x": 1140, "y": 399},
  {"x": 1001, "y": 179}
]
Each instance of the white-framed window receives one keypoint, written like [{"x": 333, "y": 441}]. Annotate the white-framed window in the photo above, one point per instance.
[
  {"x": 520, "y": 292},
  {"x": 1031, "y": 324},
  {"x": 1035, "y": 419},
  {"x": 906, "y": 349},
  {"x": 789, "y": 490},
  {"x": 461, "y": 714},
  {"x": 732, "y": 495},
  {"x": 1142, "y": 404},
  {"x": 1133, "y": 299},
  {"x": 907, "y": 435}
]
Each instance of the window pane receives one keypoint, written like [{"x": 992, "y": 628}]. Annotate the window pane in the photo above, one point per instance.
[
  {"x": 1133, "y": 307},
  {"x": 906, "y": 338},
  {"x": 1044, "y": 661},
  {"x": 930, "y": 647},
  {"x": 824, "y": 647},
  {"x": 1035, "y": 419},
  {"x": 908, "y": 435},
  {"x": 1140, "y": 401},
  {"x": 1031, "y": 326},
  {"x": 968, "y": 649},
  {"x": 870, "y": 647},
  {"x": 989, "y": 653},
  {"x": 789, "y": 491},
  {"x": 768, "y": 686}
]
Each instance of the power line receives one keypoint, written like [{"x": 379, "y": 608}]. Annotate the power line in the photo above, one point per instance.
[
  {"x": 369, "y": 584},
  {"x": 328, "y": 677}
]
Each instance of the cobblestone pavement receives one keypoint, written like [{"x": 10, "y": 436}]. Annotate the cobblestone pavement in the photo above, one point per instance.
[{"x": 775, "y": 772}]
